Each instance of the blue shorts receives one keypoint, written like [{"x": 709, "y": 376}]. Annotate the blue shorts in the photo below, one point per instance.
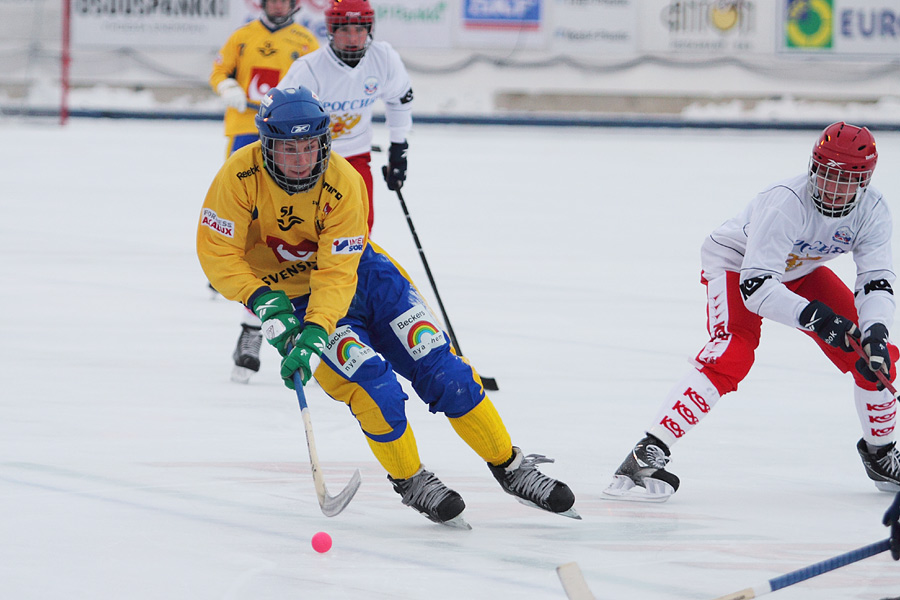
[
  {"x": 390, "y": 330},
  {"x": 239, "y": 141}
]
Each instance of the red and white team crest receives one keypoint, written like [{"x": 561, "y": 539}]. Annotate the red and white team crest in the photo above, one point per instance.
[
  {"x": 262, "y": 81},
  {"x": 285, "y": 252}
]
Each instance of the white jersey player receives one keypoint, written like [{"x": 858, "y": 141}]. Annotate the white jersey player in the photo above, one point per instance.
[
  {"x": 349, "y": 76},
  {"x": 767, "y": 262}
]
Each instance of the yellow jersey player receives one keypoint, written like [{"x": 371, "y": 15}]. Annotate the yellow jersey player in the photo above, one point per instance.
[
  {"x": 251, "y": 62},
  {"x": 283, "y": 230}
]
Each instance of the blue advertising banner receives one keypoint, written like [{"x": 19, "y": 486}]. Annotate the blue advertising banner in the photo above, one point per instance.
[{"x": 502, "y": 14}]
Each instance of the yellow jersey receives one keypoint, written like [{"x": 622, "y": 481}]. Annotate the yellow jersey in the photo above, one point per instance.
[
  {"x": 252, "y": 235},
  {"x": 257, "y": 59}
]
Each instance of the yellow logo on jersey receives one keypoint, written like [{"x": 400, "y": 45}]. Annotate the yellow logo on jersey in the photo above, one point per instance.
[
  {"x": 794, "y": 261},
  {"x": 342, "y": 124},
  {"x": 267, "y": 49}
]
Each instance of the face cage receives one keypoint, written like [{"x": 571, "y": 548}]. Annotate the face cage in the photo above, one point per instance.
[
  {"x": 290, "y": 185},
  {"x": 351, "y": 57},
  {"x": 816, "y": 192}
]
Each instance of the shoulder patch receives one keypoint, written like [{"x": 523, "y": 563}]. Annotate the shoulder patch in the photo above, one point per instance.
[
  {"x": 878, "y": 285},
  {"x": 348, "y": 245},
  {"x": 750, "y": 286},
  {"x": 407, "y": 97},
  {"x": 209, "y": 218}
]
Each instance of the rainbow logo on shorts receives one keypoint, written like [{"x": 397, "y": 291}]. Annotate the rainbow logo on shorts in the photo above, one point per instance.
[
  {"x": 415, "y": 328},
  {"x": 421, "y": 333},
  {"x": 346, "y": 348}
]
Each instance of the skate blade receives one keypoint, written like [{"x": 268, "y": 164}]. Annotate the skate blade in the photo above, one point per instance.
[
  {"x": 241, "y": 374},
  {"x": 569, "y": 513},
  {"x": 887, "y": 486},
  {"x": 623, "y": 488},
  {"x": 457, "y": 522}
]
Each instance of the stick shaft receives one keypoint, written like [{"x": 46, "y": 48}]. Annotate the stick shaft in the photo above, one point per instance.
[
  {"x": 829, "y": 564},
  {"x": 437, "y": 295},
  {"x": 809, "y": 572},
  {"x": 489, "y": 382},
  {"x": 330, "y": 505}
]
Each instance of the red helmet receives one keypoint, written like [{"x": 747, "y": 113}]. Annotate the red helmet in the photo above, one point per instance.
[
  {"x": 349, "y": 12},
  {"x": 343, "y": 13},
  {"x": 842, "y": 162}
]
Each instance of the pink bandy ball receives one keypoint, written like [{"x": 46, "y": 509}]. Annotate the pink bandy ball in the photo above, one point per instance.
[{"x": 321, "y": 542}]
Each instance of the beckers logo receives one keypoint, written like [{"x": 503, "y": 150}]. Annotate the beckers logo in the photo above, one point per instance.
[
  {"x": 345, "y": 351},
  {"x": 210, "y": 219},
  {"x": 417, "y": 332}
]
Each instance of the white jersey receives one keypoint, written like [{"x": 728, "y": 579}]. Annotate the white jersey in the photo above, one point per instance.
[
  {"x": 781, "y": 236},
  {"x": 349, "y": 93}
]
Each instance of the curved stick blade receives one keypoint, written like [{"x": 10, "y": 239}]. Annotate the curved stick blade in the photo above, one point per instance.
[{"x": 333, "y": 505}]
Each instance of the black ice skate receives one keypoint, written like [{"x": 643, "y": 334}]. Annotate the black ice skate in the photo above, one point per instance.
[
  {"x": 882, "y": 465},
  {"x": 428, "y": 495},
  {"x": 642, "y": 476},
  {"x": 246, "y": 354},
  {"x": 520, "y": 477}
]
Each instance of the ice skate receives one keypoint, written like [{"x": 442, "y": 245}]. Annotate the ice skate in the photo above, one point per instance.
[
  {"x": 428, "y": 495},
  {"x": 642, "y": 476},
  {"x": 882, "y": 465},
  {"x": 521, "y": 478},
  {"x": 246, "y": 354}
]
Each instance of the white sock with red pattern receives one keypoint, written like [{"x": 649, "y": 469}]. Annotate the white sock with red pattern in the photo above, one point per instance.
[
  {"x": 877, "y": 412},
  {"x": 685, "y": 405}
]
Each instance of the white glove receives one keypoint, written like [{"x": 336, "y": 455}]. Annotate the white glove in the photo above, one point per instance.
[{"x": 232, "y": 94}]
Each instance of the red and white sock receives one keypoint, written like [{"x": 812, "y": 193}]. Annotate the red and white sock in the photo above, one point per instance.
[
  {"x": 685, "y": 405},
  {"x": 877, "y": 412}
]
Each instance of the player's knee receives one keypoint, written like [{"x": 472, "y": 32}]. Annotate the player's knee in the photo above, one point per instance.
[
  {"x": 380, "y": 429},
  {"x": 724, "y": 380}
]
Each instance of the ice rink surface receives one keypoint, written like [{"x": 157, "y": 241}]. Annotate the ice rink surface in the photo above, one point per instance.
[{"x": 568, "y": 259}]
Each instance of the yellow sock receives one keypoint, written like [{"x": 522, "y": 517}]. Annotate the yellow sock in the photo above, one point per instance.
[
  {"x": 483, "y": 430},
  {"x": 400, "y": 458}
]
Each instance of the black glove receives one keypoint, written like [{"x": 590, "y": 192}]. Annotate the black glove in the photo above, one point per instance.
[
  {"x": 879, "y": 359},
  {"x": 833, "y": 329},
  {"x": 395, "y": 173},
  {"x": 891, "y": 520}
]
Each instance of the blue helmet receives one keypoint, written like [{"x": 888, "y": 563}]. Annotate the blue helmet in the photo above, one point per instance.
[{"x": 296, "y": 137}]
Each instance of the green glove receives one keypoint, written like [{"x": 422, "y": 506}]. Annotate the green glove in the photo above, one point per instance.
[
  {"x": 310, "y": 342},
  {"x": 279, "y": 324}
]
